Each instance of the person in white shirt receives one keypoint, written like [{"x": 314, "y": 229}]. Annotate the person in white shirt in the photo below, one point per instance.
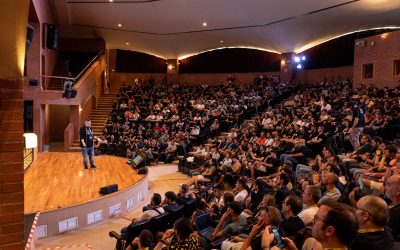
[
  {"x": 153, "y": 210},
  {"x": 332, "y": 192},
  {"x": 311, "y": 196},
  {"x": 241, "y": 189}
]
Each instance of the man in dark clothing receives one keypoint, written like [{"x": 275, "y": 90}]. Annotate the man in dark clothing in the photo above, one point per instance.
[
  {"x": 392, "y": 191},
  {"x": 357, "y": 126},
  {"x": 291, "y": 207},
  {"x": 169, "y": 203},
  {"x": 86, "y": 143},
  {"x": 371, "y": 214},
  {"x": 282, "y": 192},
  {"x": 184, "y": 196}
]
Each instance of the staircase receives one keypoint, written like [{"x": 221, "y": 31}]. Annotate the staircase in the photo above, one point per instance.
[
  {"x": 98, "y": 117},
  {"x": 59, "y": 70}
]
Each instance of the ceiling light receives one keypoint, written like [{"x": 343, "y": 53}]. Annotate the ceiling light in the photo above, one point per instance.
[
  {"x": 110, "y": 1},
  {"x": 127, "y": 43},
  {"x": 221, "y": 41},
  {"x": 119, "y": 25},
  {"x": 204, "y": 24}
]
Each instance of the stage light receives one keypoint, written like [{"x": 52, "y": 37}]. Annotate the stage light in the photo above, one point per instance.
[
  {"x": 204, "y": 24},
  {"x": 31, "y": 140},
  {"x": 299, "y": 66},
  {"x": 119, "y": 25},
  {"x": 297, "y": 59},
  {"x": 303, "y": 58}
]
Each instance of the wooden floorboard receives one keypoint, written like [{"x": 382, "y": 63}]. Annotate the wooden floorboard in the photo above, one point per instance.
[{"x": 57, "y": 179}]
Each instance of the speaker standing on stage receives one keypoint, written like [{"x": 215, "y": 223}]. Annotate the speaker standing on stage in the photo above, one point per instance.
[{"x": 86, "y": 141}]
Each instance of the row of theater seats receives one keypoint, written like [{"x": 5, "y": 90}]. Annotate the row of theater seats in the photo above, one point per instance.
[{"x": 156, "y": 224}]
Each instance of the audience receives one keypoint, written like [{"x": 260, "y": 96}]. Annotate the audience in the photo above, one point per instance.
[{"x": 327, "y": 143}]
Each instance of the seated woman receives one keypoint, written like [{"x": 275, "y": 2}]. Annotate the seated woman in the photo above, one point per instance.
[{"x": 181, "y": 237}]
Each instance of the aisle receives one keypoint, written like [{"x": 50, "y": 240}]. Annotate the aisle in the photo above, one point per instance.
[{"x": 162, "y": 178}]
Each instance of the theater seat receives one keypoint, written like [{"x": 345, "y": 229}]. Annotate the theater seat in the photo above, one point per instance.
[
  {"x": 134, "y": 230},
  {"x": 190, "y": 206},
  {"x": 178, "y": 213},
  {"x": 160, "y": 223}
]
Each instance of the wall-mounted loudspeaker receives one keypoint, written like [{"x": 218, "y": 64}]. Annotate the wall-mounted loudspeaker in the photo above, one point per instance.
[{"x": 51, "y": 36}]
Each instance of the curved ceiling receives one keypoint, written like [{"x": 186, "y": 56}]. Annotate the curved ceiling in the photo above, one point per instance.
[{"x": 174, "y": 28}]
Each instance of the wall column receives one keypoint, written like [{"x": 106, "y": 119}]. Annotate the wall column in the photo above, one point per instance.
[
  {"x": 173, "y": 71},
  {"x": 14, "y": 20},
  {"x": 288, "y": 70}
]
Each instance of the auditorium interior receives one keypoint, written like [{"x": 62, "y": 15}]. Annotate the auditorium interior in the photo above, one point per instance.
[{"x": 226, "y": 124}]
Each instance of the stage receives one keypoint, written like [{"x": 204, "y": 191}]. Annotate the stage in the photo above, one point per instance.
[{"x": 68, "y": 197}]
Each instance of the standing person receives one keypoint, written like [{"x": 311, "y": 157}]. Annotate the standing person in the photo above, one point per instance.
[
  {"x": 86, "y": 141},
  {"x": 358, "y": 123}
]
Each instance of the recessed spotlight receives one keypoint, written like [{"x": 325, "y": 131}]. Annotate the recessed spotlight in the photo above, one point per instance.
[
  {"x": 119, "y": 25},
  {"x": 127, "y": 43},
  {"x": 204, "y": 24},
  {"x": 221, "y": 41},
  {"x": 110, "y": 1}
]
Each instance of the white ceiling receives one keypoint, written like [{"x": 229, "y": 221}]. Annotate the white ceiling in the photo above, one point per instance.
[{"x": 174, "y": 28}]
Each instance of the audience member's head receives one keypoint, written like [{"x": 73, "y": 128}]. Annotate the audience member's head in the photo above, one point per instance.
[
  {"x": 371, "y": 212},
  {"x": 311, "y": 195},
  {"x": 183, "y": 229},
  {"x": 145, "y": 239},
  {"x": 291, "y": 206},
  {"x": 156, "y": 199},
  {"x": 392, "y": 188},
  {"x": 236, "y": 208},
  {"x": 170, "y": 197},
  {"x": 334, "y": 224}
]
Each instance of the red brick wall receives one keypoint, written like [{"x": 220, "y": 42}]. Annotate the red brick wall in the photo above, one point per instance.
[
  {"x": 11, "y": 165},
  {"x": 318, "y": 75},
  {"x": 33, "y": 55},
  {"x": 381, "y": 50},
  {"x": 217, "y": 78},
  {"x": 34, "y": 60}
]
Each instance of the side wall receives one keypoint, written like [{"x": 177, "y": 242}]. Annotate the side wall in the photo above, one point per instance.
[
  {"x": 317, "y": 75},
  {"x": 381, "y": 51}
]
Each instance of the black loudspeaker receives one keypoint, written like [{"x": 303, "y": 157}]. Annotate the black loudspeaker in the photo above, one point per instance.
[
  {"x": 109, "y": 189},
  {"x": 143, "y": 170},
  {"x": 51, "y": 36},
  {"x": 34, "y": 82}
]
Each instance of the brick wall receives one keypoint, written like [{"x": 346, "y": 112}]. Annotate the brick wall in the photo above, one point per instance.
[
  {"x": 318, "y": 75},
  {"x": 381, "y": 51},
  {"x": 11, "y": 165}
]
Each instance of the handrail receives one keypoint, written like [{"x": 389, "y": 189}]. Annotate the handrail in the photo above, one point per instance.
[
  {"x": 59, "y": 77},
  {"x": 89, "y": 64},
  {"x": 74, "y": 79}
]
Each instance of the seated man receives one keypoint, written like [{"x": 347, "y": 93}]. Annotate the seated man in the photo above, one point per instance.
[
  {"x": 231, "y": 222},
  {"x": 392, "y": 191},
  {"x": 329, "y": 181},
  {"x": 184, "y": 196},
  {"x": 169, "y": 204},
  {"x": 372, "y": 214},
  {"x": 311, "y": 196},
  {"x": 291, "y": 207},
  {"x": 152, "y": 211}
]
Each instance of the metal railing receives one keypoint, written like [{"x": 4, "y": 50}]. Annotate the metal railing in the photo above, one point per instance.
[{"x": 74, "y": 79}]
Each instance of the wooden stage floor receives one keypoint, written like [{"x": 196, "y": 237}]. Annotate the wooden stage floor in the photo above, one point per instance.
[{"x": 56, "y": 180}]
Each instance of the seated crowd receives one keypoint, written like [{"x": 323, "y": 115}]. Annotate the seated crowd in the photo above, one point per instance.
[{"x": 316, "y": 168}]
